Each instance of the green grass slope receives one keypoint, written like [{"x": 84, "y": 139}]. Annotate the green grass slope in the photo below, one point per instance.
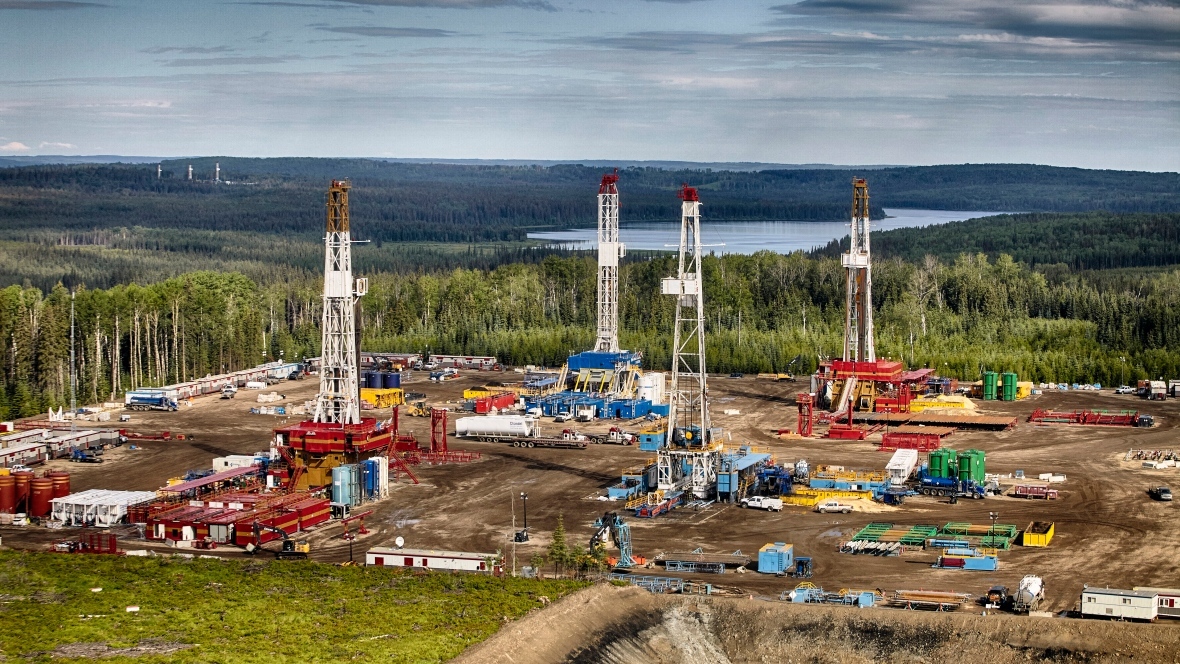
[{"x": 207, "y": 610}]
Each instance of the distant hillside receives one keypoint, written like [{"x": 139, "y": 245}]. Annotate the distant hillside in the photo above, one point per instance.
[
  {"x": 407, "y": 202},
  {"x": 1090, "y": 241}
]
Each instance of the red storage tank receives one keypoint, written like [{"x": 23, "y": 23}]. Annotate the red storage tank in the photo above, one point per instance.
[
  {"x": 61, "y": 483},
  {"x": 7, "y": 494},
  {"x": 22, "y": 489},
  {"x": 40, "y": 493}
]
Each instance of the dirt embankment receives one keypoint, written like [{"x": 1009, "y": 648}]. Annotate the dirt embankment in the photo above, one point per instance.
[{"x": 623, "y": 625}]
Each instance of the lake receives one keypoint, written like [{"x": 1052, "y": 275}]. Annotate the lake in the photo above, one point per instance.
[{"x": 747, "y": 237}]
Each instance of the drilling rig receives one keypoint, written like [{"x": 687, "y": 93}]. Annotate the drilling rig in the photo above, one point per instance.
[
  {"x": 690, "y": 458},
  {"x": 336, "y": 434}
]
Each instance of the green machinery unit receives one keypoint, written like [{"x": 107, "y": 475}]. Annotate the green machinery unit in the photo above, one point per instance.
[{"x": 989, "y": 385}]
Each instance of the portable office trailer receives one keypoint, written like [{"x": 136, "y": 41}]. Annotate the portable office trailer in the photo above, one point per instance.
[
  {"x": 1120, "y": 604},
  {"x": 1167, "y": 601},
  {"x": 426, "y": 559},
  {"x": 25, "y": 453}
]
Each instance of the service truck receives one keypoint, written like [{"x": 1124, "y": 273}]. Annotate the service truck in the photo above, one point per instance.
[
  {"x": 763, "y": 503},
  {"x": 948, "y": 486}
]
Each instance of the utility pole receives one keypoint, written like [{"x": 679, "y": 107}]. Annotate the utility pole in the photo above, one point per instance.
[
  {"x": 73, "y": 370},
  {"x": 512, "y": 502}
]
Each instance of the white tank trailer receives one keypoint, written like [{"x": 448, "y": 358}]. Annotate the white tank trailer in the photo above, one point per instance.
[
  {"x": 901, "y": 466},
  {"x": 1028, "y": 594},
  {"x": 496, "y": 425}
]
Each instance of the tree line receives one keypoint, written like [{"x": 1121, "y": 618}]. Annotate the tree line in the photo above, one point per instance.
[{"x": 764, "y": 312}]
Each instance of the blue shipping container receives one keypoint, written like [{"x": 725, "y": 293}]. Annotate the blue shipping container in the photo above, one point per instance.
[{"x": 776, "y": 558}]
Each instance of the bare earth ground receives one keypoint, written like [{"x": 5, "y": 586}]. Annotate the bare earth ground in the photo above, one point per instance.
[{"x": 1109, "y": 532}]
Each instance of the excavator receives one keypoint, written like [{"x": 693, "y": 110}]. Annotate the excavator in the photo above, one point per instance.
[{"x": 290, "y": 550}]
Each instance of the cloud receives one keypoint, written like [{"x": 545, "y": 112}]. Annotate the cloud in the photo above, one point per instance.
[
  {"x": 191, "y": 50},
  {"x": 228, "y": 61},
  {"x": 1156, "y": 21},
  {"x": 46, "y": 5},
  {"x": 454, "y": 4},
  {"x": 376, "y": 31},
  {"x": 64, "y": 146},
  {"x": 14, "y": 146}
]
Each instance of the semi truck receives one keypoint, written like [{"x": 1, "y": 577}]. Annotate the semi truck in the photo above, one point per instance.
[
  {"x": 1029, "y": 594},
  {"x": 146, "y": 402},
  {"x": 947, "y": 486}
]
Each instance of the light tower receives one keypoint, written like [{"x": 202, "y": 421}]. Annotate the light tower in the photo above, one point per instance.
[
  {"x": 689, "y": 458},
  {"x": 610, "y": 250},
  {"x": 190, "y": 172},
  {"x": 339, "y": 399},
  {"x": 858, "y": 314},
  {"x": 217, "y": 172}
]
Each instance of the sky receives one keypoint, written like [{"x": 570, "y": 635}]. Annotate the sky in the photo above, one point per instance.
[{"x": 1085, "y": 83}]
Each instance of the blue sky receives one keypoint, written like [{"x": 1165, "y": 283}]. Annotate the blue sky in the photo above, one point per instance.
[{"x": 1065, "y": 82}]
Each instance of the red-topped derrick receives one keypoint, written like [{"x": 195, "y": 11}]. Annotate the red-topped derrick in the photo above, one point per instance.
[
  {"x": 688, "y": 193},
  {"x": 608, "y": 183}
]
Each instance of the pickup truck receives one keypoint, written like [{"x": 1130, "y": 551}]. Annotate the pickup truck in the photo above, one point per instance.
[
  {"x": 1161, "y": 493},
  {"x": 829, "y": 506},
  {"x": 763, "y": 503}
]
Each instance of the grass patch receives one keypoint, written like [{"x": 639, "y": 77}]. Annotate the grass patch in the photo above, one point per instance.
[{"x": 237, "y": 611}]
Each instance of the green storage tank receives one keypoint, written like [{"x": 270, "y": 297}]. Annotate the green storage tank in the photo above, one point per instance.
[
  {"x": 1009, "y": 390},
  {"x": 972, "y": 465},
  {"x": 989, "y": 385},
  {"x": 938, "y": 463}
]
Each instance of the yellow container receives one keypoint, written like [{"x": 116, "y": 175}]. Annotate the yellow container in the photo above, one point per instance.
[
  {"x": 383, "y": 398},
  {"x": 1038, "y": 533}
]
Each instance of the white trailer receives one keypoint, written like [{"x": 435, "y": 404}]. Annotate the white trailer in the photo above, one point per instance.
[
  {"x": 1167, "y": 602},
  {"x": 901, "y": 466},
  {"x": 496, "y": 425},
  {"x": 429, "y": 559},
  {"x": 1120, "y": 604}
]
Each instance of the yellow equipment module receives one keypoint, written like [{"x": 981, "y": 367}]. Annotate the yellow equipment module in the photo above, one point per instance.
[{"x": 384, "y": 397}]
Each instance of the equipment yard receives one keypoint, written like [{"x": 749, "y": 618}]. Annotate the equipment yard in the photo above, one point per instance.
[{"x": 1109, "y": 531}]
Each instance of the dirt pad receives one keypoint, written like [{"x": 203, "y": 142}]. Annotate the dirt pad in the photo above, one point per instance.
[
  {"x": 623, "y": 625},
  {"x": 103, "y": 651}
]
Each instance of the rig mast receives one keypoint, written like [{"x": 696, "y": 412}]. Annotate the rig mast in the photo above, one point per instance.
[
  {"x": 689, "y": 459},
  {"x": 858, "y": 315},
  {"x": 610, "y": 250},
  {"x": 339, "y": 399}
]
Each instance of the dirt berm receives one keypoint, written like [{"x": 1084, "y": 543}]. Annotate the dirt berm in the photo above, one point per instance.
[{"x": 625, "y": 625}]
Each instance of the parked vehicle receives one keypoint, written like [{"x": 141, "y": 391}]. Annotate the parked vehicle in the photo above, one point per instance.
[
  {"x": 737, "y": 375},
  {"x": 1124, "y": 389},
  {"x": 1028, "y": 594},
  {"x": 229, "y": 392},
  {"x": 616, "y": 436},
  {"x": 763, "y": 503},
  {"x": 563, "y": 417},
  {"x": 832, "y": 506},
  {"x": 946, "y": 486},
  {"x": 139, "y": 402},
  {"x": 1161, "y": 493},
  {"x": 19, "y": 468},
  {"x": 997, "y": 596},
  {"x": 82, "y": 456}
]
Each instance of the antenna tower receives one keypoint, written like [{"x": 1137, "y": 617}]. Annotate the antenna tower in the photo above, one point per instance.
[
  {"x": 609, "y": 252},
  {"x": 858, "y": 314},
  {"x": 339, "y": 399}
]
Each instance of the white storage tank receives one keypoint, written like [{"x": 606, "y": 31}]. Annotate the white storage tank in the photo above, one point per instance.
[
  {"x": 651, "y": 387},
  {"x": 901, "y": 466},
  {"x": 496, "y": 425}
]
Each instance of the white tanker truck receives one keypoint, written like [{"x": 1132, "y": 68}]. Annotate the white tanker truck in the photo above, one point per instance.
[{"x": 1029, "y": 594}]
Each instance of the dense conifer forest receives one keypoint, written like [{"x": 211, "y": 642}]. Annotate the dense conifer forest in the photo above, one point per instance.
[{"x": 176, "y": 280}]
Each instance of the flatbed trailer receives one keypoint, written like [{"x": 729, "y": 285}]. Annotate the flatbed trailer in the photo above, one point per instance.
[{"x": 521, "y": 441}]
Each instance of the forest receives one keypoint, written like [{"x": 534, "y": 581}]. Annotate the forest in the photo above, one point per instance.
[
  {"x": 404, "y": 202},
  {"x": 763, "y": 311}
]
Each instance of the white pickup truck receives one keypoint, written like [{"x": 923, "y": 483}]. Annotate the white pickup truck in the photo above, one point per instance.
[
  {"x": 832, "y": 505},
  {"x": 763, "y": 503}
]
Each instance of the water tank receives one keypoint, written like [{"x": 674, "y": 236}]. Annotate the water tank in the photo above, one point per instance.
[
  {"x": 61, "y": 483},
  {"x": 990, "y": 378},
  {"x": 391, "y": 380},
  {"x": 7, "y": 494},
  {"x": 496, "y": 425},
  {"x": 22, "y": 487},
  {"x": 40, "y": 493},
  {"x": 342, "y": 485},
  {"x": 373, "y": 380}
]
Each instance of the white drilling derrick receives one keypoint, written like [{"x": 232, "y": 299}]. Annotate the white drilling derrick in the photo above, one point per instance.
[
  {"x": 689, "y": 458},
  {"x": 339, "y": 399},
  {"x": 610, "y": 250},
  {"x": 858, "y": 311}
]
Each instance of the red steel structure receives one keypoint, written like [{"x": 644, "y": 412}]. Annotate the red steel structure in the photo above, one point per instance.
[
  {"x": 806, "y": 403},
  {"x": 1126, "y": 418}
]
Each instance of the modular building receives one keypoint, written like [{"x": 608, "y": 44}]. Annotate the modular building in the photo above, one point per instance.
[
  {"x": 1121, "y": 604},
  {"x": 1167, "y": 601},
  {"x": 99, "y": 508},
  {"x": 429, "y": 559}
]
